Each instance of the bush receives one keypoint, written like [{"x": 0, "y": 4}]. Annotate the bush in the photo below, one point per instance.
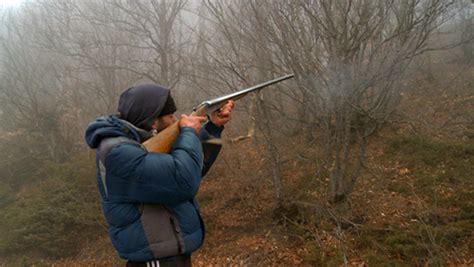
[
  {"x": 49, "y": 217},
  {"x": 395, "y": 246},
  {"x": 406, "y": 245},
  {"x": 455, "y": 233},
  {"x": 330, "y": 256},
  {"x": 20, "y": 162},
  {"x": 413, "y": 150}
]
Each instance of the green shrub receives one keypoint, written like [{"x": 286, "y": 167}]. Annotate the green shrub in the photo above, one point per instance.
[
  {"x": 406, "y": 245},
  {"x": 454, "y": 233},
  {"x": 401, "y": 188},
  {"x": 330, "y": 256},
  {"x": 48, "y": 218},
  {"x": 20, "y": 162},
  {"x": 315, "y": 255},
  {"x": 394, "y": 247},
  {"x": 6, "y": 195},
  {"x": 415, "y": 150},
  {"x": 380, "y": 259},
  {"x": 462, "y": 201}
]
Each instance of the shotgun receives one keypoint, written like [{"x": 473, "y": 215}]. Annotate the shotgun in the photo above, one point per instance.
[{"x": 163, "y": 142}]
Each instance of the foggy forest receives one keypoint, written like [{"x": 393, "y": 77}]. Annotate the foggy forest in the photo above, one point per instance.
[{"x": 364, "y": 158}]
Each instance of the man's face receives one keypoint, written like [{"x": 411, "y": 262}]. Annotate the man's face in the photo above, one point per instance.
[{"x": 163, "y": 122}]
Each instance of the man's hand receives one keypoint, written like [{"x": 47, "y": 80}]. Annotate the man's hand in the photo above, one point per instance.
[
  {"x": 194, "y": 122},
  {"x": 223, "y": 115}
]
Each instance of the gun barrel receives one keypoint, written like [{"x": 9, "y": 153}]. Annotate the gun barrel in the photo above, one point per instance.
[
  {"x": 163, "y": 142},
  {"x": 215, "y": 104}
]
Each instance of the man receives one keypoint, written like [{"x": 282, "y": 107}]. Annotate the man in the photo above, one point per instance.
[{"x": 148, "y": 198}]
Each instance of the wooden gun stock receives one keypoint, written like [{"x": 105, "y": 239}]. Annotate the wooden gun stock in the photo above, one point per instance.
[{"x": 164, "y": 141}]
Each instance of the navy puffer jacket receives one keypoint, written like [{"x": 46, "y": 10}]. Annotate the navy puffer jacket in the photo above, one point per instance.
[{"x": 136, "y": 185}]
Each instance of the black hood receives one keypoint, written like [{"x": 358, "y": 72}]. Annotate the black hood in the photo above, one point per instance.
[{"x": 142, "y": 104}]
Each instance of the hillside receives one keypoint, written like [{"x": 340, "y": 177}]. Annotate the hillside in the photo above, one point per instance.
[{"x": 412, "y": 206}]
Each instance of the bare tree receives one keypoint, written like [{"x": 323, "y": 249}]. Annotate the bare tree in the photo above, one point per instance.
[
  {"x": 104, "y": 47},
  {"x": 94, "y": 55},
  {"x": 348, "y": 57},
  {"x": 154, "y": 24},
  {"x": 29, "y": 95},
  {"x": 466, "y": 21}
]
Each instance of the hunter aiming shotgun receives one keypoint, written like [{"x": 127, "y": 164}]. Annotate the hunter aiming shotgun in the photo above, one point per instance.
[{"x": 163, "y": 142}]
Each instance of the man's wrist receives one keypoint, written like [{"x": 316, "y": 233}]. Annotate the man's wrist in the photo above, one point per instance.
[
  {"x": 209, "y": 119},
  {"x": 188, "y": 128}
]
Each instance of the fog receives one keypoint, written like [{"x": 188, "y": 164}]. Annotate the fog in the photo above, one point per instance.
[{"x": 64, "y": 63}]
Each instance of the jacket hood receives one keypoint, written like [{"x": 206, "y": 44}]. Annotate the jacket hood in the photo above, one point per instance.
[
  {"x": 142, "y": 104},
  {"x": 112, "y": 126}
]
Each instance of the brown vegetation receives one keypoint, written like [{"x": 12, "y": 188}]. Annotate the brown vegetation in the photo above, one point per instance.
[{"x": 413, "y": 205}]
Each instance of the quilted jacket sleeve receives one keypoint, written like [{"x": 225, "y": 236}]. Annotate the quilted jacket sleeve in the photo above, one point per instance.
[{"x": 210, "y": 151}]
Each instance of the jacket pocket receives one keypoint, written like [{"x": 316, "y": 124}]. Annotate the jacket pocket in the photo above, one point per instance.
[{"x": 162, "y": 230}]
